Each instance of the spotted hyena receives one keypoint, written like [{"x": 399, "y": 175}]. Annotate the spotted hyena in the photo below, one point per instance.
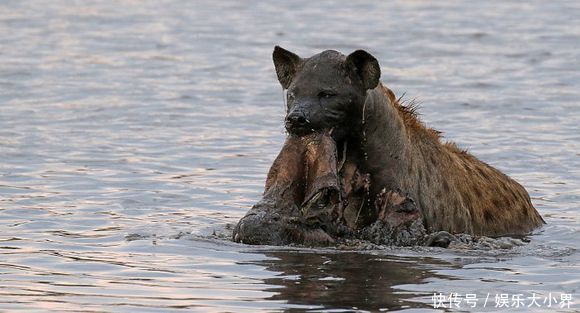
[{"x": 387, "y": 155}]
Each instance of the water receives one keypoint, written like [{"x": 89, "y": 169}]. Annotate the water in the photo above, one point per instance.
[{"x": 131, "y": 131}]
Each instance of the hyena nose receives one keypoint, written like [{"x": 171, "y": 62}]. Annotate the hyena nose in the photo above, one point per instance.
[{"x": 296, "y": 119}]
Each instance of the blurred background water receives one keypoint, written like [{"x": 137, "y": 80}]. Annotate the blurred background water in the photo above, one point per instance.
[{"x": 133, "y": 132}]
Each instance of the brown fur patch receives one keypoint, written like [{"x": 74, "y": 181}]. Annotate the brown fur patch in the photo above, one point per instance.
[
  {"x": 477, "y": 192},
  {"x": 445, "y": 186},
  {"x": 488, "y": 216}
]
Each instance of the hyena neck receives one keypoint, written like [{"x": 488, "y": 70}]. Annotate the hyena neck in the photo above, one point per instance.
[{"x": 390, "y": 135}]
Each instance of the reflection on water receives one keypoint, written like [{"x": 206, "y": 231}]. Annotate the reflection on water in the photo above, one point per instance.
[
  {"x": 131, "y": 132},
  {"x": 344, "y": 280}
]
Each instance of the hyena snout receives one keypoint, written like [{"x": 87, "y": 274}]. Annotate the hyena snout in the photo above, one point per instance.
[{"x": 297, "y": 121}]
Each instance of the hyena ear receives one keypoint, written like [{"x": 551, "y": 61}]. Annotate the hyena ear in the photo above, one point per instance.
[
  {"x": 367, "y": 68},
  {"x": 286, "y": 64}
]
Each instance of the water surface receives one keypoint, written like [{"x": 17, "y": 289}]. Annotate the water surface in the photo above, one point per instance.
[{"x": 132, "y": 131}]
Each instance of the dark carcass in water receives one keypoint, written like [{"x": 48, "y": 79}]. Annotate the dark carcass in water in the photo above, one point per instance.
[{"x": 314, "y": 198}]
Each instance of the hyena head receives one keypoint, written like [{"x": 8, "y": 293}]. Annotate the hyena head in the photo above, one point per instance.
[{"x": 325, "y": 91}]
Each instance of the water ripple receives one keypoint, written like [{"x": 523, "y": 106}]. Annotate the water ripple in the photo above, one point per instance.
[{"x": 134, "y": 135}]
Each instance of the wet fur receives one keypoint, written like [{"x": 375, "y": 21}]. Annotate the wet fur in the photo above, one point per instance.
[{"x": 454, "y": 191}]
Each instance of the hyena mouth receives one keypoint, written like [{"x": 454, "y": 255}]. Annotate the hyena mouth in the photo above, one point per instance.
[{"x": 299, "y": 130}]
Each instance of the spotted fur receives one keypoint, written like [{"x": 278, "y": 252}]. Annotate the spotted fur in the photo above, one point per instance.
[{"x": 454, "y": 191}]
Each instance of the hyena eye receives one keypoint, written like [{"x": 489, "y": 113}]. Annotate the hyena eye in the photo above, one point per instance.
[
  {"x": 326, "y": 94},
  {"x": 290, "y": 96}
]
